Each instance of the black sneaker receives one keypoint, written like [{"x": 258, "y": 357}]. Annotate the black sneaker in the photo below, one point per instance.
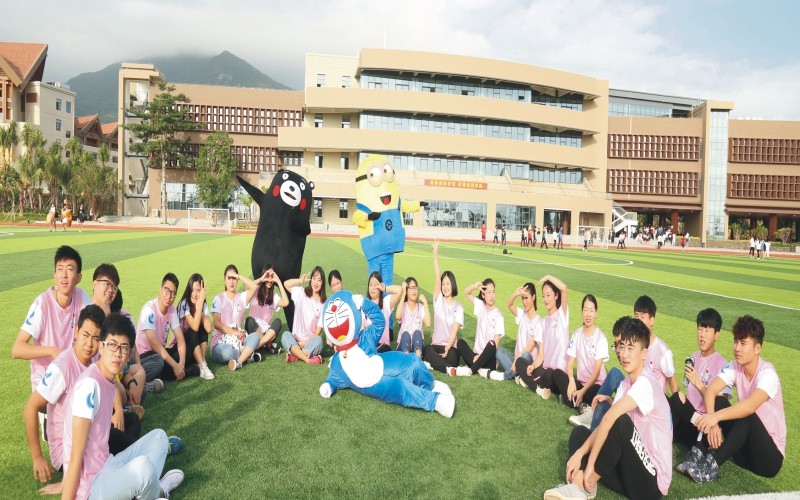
[
  {"x": 256, "y": 357},
  {"x": 705, "y": 471},
  {"x": 692, "y": 458}
]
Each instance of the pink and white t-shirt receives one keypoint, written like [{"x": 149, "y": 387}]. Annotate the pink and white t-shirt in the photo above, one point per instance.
[
  {"x": 387, "y": 312},
  {"x": 444, "y": 317},
  {"x": 490, "y": 324},
  {"x": 412, "y": 321},
  {"x": 151, "y": 318},
  {"x": 263, "y": 314},
  {"x": 529, "y": 328},
  {"x": 555, "y": 339},
  {"x": 51, "y": 325},
  {"x": 707, "y": 368},
  {"x": 771, "y": 411},
  {"x": 587, "y": 351},
  {"x": 184, "y": 313},
  {"x": 56, "y": 387},
  {"x": 231, "y": 312},
  {"x": 93, "y": 399},
  {"x": 659, "y": 362},
  {"x": 653, "y": 422},
  {"x": 307, "y": 313}
]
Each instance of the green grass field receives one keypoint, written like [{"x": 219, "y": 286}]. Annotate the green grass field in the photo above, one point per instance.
[{"x": 264, "y": 431}]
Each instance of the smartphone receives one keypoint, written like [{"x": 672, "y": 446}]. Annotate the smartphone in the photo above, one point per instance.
[
  {"x": 688, "y": 361},
  {"x": 695, "y": 418}
]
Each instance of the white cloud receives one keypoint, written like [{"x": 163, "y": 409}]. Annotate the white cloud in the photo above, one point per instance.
[{"x": 622, "y": 41}]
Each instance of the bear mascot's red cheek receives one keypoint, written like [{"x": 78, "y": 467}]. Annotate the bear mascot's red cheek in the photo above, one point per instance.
[
  {"x": 276, "y": 191},
  {"x": 302, "y": 204}
]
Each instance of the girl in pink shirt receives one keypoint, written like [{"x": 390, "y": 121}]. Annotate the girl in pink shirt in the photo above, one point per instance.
[
  {"x": 448, "y": 318},
  {"x": 230, "y": 344},
  {"x": 489, "y": 329},
  {"x": 411, "y": 316},
  {"x": 376, "y": 291},
  {"x": 304, "y": 342},
  {"x": 196, "y": 322},
  {"x": 266, "y": 302},
  {"x": 529, "y": 333}
]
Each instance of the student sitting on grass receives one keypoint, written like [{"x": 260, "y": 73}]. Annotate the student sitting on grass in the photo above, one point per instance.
[
  {"x": 157, "y": 318},
  {"x": 538, "y": 376},
  {"x": 448, "y": 318},
  {"x": 265, "y": 303},
  {"x": 703, "y": 368},
  {"x": 659, "y": 356},
  {"x": 411, "y": 315},
  {"x": 753, "y": 431},
  {"x": 230, "y": 344},
  {"x": 630, "y": 452},
  {"x": 134, "y": 378},
  {"x": 304, "y": 343},
  {"x": 196, "y": 322},
  {"x": 589, "y": 348},
  {"x": 89, "y": 469},
  {"x": 529, "y": 331},
  {"x": 489, "y": 330},
  {"x": 49, "y": 326},
  {"x": 377, "y": 292}
]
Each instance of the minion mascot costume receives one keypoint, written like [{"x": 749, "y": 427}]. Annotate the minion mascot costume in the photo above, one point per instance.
[
  {"x": 283, "y": 225},
  {"x": 379, "y": 215},
  {"x": 394, "y": 377}
]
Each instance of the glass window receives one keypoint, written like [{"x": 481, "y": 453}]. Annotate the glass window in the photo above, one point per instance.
[
  {"x": 58, "y": 104},
  {"x": 320, "y": 79},
  {"x": 345, "y": 81},
  {"x": 345, "y": 161},
  {"x": 317, "y": 207},
  {"x": 69, "y": 106},
  {"x": 454, "y": 214},
  {"x": 345, "y": 121},
  {"x": 317, "y": 120},
  {"x": 515, "y": 217},
  {"x": 318, "y": 160},
  {"x": 58, "y": 124},
  {"x": 343, "y": 209}
]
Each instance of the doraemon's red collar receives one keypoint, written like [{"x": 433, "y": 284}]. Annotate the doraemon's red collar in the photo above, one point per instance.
[{"x": 348, "y": 345}]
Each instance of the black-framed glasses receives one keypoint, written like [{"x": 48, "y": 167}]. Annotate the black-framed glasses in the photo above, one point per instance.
[
  {"x": 108, "y": 283},
  {"x": 114, "y": 347},
  {"x": 168, "y": 292}
]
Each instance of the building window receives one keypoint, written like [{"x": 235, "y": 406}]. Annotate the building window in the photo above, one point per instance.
[
  {"x": 342, "y": 209},
  {"x": 515, "y": 217},
  {"x": 181, "y": 196},
  {"x": 58, "y": 124},
  {"x": 317, "y": 207},
  {"x": 408, "y": 218},
  {"x": 69, "y": 106},
  {"x": 320, "y": 79},
  {"x": 345, "y": 161},
  {"x": 455, "y": 214},
  {"x": 317, "y": 120},
  {"x": 318, "y": 160},
  {"x": 58, "y": 104},
  {"x": 345, "y": 81},
  {"x": 345, "y": 121},
  {"x": 69, "y": 134}
]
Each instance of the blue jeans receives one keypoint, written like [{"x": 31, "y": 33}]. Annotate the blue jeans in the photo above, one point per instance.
[
  {"x": 410, "y": 342},
  {"x": 505, "y": 360},
  {"x": 313, "y": 346},
  {"x": 609, "y": 387},
  {"x": 222, "y": 353}
]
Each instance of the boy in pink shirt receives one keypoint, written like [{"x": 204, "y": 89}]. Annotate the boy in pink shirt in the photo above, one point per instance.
[
  {"x": 48, "y": 328},
  {"x": 630, "y": 452},
  {"x": 753, "y": 431},
  {"x": 659, "y": 360},
  {"x": 90, "y": 471}
]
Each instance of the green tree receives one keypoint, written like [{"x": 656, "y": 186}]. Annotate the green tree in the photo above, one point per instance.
[
  {"x": 32, "y": 165},
  {"x": 162, "y": 119},
  {"x": 93, "y": 179},
  {"x": 215, "y": 168},
  {"x": 9, "y": 138}
]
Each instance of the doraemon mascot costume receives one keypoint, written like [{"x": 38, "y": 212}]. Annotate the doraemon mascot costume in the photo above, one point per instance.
[
  {"x": 393, "y": 377},
  {"x": 283, "y": 225}
]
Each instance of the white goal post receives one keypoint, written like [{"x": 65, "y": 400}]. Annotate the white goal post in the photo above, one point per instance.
[
  {"x": 599, "y": 236},
  {"x": 209, "y": 220}
]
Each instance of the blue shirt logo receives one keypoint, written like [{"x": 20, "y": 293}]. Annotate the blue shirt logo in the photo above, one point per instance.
[
  {"x": 29, "y": 318},
  {"x": 91, "y": 399},
  {"x": 46, "y": 376}
]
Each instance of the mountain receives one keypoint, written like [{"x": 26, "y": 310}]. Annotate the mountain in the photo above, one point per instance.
[{"x": 97, "y": 91}]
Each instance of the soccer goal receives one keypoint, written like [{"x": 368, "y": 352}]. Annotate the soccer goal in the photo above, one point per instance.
[
  {"x": 209, "y": 220},
  {"x": 599, "y": 236}
]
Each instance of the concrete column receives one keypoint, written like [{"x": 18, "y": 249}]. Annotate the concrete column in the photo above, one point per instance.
[
  {"x": 674, "y": 220},
  {"x": 772, "y": 226}
]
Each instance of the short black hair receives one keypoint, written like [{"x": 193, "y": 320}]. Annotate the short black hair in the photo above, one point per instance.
[
  {"x": 616, "y": 330},
  {"x": 171, "y": 278},
  {"x": 65, "y": 252},
  {"x": 633, "y": 330},
  {"x": 645, "y": 304},
  {"x": 117, "y": 324},
  {"x": 334, "y": 274},
  {"x": 93, "y": 313},
  {"x": 709, "y": 318},
  {"x": 107, "y": 270},
  {"x": 486, "y": 282},
  {"x": 748, "y": 326},
  {"x": 116, "y": 304}
]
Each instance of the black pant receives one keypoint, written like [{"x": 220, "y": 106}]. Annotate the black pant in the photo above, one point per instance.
[
  {"x": 190, "y": 368},
  {"x": 193, "y": 340},
  {"x": 433, "y": 355},
  {"x": 561, "y": 381},
  {"x": 749, "y": 443},
  {"x": 619, "y": 465},
  {"x": 521, "y": 366},
  {"x": 250, "y": 325},
  {"x": 683, "y": 430},
  {"x": 487, "y": 358},
  {"x": 120, "y": 440}
]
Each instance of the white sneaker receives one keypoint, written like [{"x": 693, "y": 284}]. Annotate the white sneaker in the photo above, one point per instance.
[
  {"x": 169, "y": 481},
  {"x": 428, "y": 365},
  {"x": 441, "y": 387},
  {"x": 544, "y": 393},
  {"x": 568, "y": 492},
  {"x": 445, "y": 405},
  {"x": 484, "y": 372},
  {"x": 463, "y": 371},
  {"x": 205, "y": 372},
  {"x": 497, "y": 375},
  {"x": 154, "y": 387},
  {"x": 520, "y": 382}
]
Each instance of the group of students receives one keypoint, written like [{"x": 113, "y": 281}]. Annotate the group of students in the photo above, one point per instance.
[
  {"x": 625, "y": 424},
  {"x": 759, "y": 248}
]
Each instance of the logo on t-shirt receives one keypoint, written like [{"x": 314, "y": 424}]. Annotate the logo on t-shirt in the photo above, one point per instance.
[
  {"x": 28, "y": 320},
  {"x": 46, "y": 376},
  {"x": 151, "y": 319},
  {"x": 91, "y": 399}
]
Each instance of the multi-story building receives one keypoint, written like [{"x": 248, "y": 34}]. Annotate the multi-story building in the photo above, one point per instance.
[
  {"x": 93, "y": 135},
  {"x": 250, "y": 116}
]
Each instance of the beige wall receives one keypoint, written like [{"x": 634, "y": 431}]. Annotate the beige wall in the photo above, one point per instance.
[{"x": 333, "y": 67}]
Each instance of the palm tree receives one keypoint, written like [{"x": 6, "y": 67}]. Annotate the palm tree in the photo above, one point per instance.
[{"x": 9, "y": 138}]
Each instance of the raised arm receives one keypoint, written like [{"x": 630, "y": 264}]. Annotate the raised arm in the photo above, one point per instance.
[
  {"x": 437, "y": 275},
  {"x": 561, "y": 288},
  {"x": 398, "y": 313},
  {"x": 251, "y": 286},
  {"x": 511, "y": 299},
  {"x": 394, "y": 292},
  {"x": 284, "y": 300},
  {"x": 291, "y": 283},
  {"x": 471, "y": 288}
]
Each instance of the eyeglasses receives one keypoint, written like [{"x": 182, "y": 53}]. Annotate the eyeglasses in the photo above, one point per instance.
[
  {"x": 168, "y": 292},
  {"x": 108, "y": 284},
  {"x": 114, "y": 347}
]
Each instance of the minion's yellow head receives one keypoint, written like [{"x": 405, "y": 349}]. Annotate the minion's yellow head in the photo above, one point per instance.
[{"x": 376, "y": 187}]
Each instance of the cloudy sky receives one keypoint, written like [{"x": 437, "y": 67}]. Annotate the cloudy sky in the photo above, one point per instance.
[{"x": 747, "y": 52}]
